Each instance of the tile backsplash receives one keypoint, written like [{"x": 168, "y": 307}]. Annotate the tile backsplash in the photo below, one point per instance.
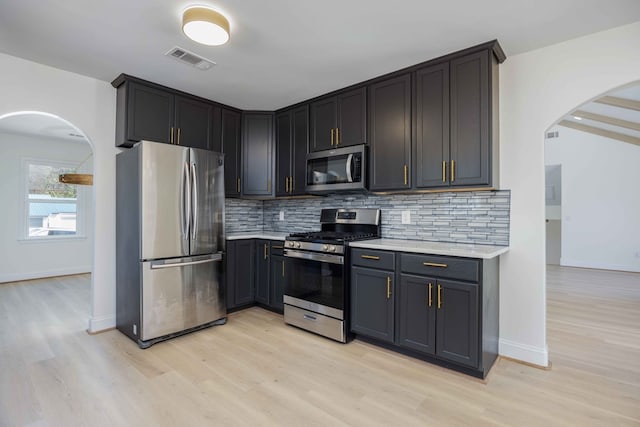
[{"x": 480, "y": 217}]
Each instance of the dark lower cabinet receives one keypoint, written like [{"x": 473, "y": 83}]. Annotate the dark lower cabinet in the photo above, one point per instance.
[
  {"x": 416, "y": 313},
  {"x": 372, "y": 303},
  {"x": 276, "y": 283},
  {"x": 240, "y": 273},
  {"x": 451, "y": 322},
  {"x": 262, "y": 271},
  {"x": 457, "y": 322}
]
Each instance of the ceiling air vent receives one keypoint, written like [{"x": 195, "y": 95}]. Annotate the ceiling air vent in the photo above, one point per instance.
[{"x": 190, "y": 58}]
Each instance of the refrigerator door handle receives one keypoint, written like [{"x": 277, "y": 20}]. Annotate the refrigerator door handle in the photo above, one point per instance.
[
  {"x": 215, "y": 258},
  {"x": 194, "y": 202},
  {"x": 186, "y": 201}
]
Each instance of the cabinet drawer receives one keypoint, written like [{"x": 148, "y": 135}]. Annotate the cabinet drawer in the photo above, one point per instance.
[
  {"x": 373, "y": 259},
  {"x": 441, "y": 266},
  {"x": 277, "y": 247}
]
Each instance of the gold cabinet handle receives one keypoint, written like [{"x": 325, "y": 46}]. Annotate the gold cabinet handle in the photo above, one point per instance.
[
  {"x": 171, "y": 136},
  {"x": 282, "y": 268},
  {"x": 332, "y": 136},
  {"x": 388, "y": 287},
  {"x": 277, "y": 247},
  {"x": 430, "y": 299},
  {"x": 178, "y": 136},
  {"x": 434, "y": 264},
  {"x": 265, "y": 251},
  {"x": 406, "y": 175},
  {"x": 290, "y": 184},
  {"x": 286, "y": 185},
  {"x": 439, "y": 296},
  {"x": 268, "y": 185},
  {"x": 370, "y": 257},
  {"x": 444, "y": 171},
  {"x": 337, "y": 136},
  {"x": 453, "y": 170},
  {"x": 238, "y": 185}
]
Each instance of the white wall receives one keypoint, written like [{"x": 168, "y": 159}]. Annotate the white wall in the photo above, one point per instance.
[
  {"x": 28, "y": 259},
  {"x": 536, "y": 89},
  {"x": 90, "y": 105},
  {"x": 600, "y": 200}
]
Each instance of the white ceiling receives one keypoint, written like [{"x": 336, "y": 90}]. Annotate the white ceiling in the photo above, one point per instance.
[{"x": 285, "y": 51}]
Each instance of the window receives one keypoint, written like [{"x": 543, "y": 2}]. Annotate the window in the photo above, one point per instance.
[{"x": 52, "y": 208}]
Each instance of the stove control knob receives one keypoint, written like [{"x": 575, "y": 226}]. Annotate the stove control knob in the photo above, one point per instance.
[
  {"x": 325, "y": 248},
  {"x": 332, "y": 248},
  {"x": 297, "y": 244}
]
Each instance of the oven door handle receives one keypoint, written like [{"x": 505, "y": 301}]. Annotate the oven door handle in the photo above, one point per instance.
[{"x": 314, "y": 256}]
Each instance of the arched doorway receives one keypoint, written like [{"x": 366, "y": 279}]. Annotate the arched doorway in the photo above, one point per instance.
[{"x": 47, "y": 226}]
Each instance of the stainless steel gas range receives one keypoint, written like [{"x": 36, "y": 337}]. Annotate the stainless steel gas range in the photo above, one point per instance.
[{"x": 316, "y": 292}]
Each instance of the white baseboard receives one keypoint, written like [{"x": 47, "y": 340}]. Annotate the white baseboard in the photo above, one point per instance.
[
  {"x": 101, "y": 323},
  {"x": 14, "y": 277},
  {"x": 527, "y": 353},
  {"x": 599, "y": 266}
]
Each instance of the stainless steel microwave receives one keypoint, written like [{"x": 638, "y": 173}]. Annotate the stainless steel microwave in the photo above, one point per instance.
[{"x": 338, "y": 170}]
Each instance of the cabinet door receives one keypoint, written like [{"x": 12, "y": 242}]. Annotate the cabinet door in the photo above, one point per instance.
[
  {"x": 324, "y": 119},
  {"x": 240, "y": 272},
  {"x": 192, "y": 123},
  {"x": 372, "y": 303},
  {"x": 416, "y": 315},
  {"x": 352, "y": 118},
  {"x": 431, "y": 152},
  {"x": 390, "y": 135},
  {"x": 257, "y": 154},
  {"x": 149, "y": 114},
  {"x": 262, "y": 271},
  {"x": 216, "y": 129},
  {"x": 470, "y": 148},
  {"x": 278, "y": 272},
  {"x": 457, "y": 327},
  {"x": 300, "y": 144},
  {"x": 283, "y": 153},
  {"x": 231, "y": 148}
]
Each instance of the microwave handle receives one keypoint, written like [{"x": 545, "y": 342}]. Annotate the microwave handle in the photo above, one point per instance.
[{"x": 349, "y": 161}]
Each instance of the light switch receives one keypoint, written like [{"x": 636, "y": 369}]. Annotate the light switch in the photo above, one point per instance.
[
  {"x": 406, "y": 217},
  {"x": 281, "y": 215}
]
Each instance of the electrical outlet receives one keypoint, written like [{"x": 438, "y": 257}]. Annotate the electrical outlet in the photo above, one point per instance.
[
  {"x": 406, "y": 217},
  {"x": 281, "y": 215}
]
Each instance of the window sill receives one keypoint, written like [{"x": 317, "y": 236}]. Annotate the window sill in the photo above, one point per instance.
[{"x": 51, "y": 239}]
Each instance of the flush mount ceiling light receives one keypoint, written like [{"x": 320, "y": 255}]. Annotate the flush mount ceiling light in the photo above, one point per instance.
[{"x": 205, "y": 26}]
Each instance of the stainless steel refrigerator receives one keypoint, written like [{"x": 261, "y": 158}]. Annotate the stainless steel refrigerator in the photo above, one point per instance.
[{"x": 169, "y": 241}]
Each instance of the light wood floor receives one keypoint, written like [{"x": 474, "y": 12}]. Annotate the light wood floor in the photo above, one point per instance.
[{"x": 256, "y": 371}]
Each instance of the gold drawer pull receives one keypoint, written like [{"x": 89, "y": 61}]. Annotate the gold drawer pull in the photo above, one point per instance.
[
  {"x": 370, "y": 257},
  {"x": 277, "y": 247},
  {"x": 434, "y": 264}
]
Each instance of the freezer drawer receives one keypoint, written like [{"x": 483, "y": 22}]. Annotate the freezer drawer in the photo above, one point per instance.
[{"x": 180, "y": 293}]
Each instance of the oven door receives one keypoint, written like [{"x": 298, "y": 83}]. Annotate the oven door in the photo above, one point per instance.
[{"x": 315, "y": 282}]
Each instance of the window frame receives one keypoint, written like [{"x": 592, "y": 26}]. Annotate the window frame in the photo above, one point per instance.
[{"x": 81, "y": 201}]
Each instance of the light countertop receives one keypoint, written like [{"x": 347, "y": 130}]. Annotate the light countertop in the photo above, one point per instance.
[
  {"x": 433, "y": 248},
  {"x": 266, "y": 235}
]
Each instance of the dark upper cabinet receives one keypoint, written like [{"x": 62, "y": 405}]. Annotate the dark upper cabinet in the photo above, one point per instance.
[
  {"x": 292, "y": 138},
  {"x": 470, "y": 120},
  {"x": 339, "y": 120},
  {"x": 193, "y": 123},
  {"x": 232, "y": 149},
  {"x": 148, "y": 112},
  {"x": 431, "y": 148},
  {"x": 257, "y": 154},
  {"x": 390, "y": 134},
  {"x": 240, "y": 272},
  {"x": 372, "y": 303},
  {"x": 457, "y": 322},
  {"x": 216, "y": 129},
  {"x": 416, "y": 315},
  {"x": 263, "y": 259}
]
